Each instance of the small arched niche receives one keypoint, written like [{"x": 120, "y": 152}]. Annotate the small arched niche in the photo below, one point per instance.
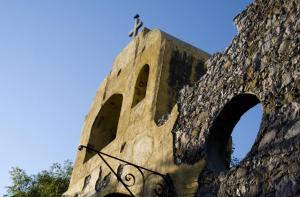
[
  {"x": 140, "y": 87},
  {"x": 104, "y": 128},
  {"x": 219, "y": 142}
]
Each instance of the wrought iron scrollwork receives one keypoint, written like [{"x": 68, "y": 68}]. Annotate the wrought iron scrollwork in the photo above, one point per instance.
[{"x": 160, "y": 185}]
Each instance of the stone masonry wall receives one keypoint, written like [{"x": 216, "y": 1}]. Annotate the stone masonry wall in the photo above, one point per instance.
[{"x": 262, "y": 60}]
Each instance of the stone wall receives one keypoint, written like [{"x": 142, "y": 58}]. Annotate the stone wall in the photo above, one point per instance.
[{"x": 260, "y": 65}]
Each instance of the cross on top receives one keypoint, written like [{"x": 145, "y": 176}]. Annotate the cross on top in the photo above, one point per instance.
[{"x": 137, "y": 25}]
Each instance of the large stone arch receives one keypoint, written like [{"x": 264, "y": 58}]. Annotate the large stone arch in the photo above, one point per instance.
[{"x": 218, "y": 141}]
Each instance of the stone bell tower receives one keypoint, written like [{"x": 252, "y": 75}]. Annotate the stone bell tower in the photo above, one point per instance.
[{"x": 132, "y": 116}]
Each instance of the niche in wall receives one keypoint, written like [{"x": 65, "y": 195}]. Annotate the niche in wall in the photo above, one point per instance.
[
  {"x": 104, "y": 128},
  {"x": 140, "y": 87}
]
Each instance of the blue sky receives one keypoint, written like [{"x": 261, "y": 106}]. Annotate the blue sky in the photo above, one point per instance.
[{"x": 54, "y": 54}]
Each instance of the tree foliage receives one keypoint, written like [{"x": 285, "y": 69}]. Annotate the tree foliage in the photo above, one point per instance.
[
  {"x": 234, "y": 160},
  {"x": 48, "y": 183}
]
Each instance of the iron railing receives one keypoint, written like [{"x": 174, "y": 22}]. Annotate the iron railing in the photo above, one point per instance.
[{"x": 163, "y": 188}]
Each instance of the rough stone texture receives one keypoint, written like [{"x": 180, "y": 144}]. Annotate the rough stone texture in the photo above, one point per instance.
[
  {"x": 263, "y": 60},
  {"x": 191, "y": 141}
]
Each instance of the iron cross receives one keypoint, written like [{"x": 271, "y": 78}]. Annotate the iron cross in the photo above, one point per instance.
[{"x": 137, "y": 25}]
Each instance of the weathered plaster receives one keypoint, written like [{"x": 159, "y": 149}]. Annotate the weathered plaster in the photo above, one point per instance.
[{"x": 144, "y": 130}]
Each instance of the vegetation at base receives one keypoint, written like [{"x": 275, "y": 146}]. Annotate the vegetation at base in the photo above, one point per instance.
[
  {"x": 47, "y": 183},
  {"x": 234, "y": 160}
]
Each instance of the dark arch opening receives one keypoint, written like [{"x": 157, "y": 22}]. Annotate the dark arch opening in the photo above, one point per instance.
[
  {"x": 104, "y": 128},
  {"x": 244, "y": 133},
  {"x": 141, "y": 85},
  {"x": 219, "y": 144},
  {"x": 117, "y": 195}
]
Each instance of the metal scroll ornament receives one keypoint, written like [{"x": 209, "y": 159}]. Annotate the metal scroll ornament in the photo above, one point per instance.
[{"x": 130, "y": 175}]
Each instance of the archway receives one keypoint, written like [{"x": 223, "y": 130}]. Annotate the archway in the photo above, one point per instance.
[
  {"x": 219, "y": 144},
  {"x": 104, "y": 128},
  {"x": 244, "y": 133}
]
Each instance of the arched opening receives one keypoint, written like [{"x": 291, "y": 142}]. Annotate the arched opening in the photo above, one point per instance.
[
  {"x": 219, "y": 142},
  {"x": 117, "y": 195},
  {"x": 104, "y": 128},
  {"x": 245, "y": 132},
  {"x": 141, "y": 86}
]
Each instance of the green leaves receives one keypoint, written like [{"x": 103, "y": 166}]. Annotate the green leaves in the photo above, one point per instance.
[{"x": 51, "y": 183}]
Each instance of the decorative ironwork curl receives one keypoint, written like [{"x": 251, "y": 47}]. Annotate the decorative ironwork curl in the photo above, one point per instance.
[
  {"x": 128, "y": 178},
  {"x": 161, "y": 189},
  {"x": 158, "y": 190}
]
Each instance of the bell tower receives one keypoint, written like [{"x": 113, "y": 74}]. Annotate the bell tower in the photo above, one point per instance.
[{"x": 133, "y": 113}]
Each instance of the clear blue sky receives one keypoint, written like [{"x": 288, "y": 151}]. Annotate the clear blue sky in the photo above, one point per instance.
[{"x": 54, "y": 54}]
